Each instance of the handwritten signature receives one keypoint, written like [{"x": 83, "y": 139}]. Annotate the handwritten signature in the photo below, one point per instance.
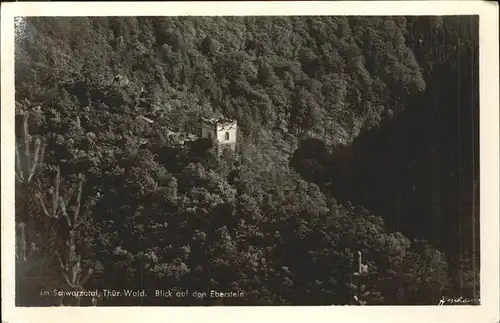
[{"x": 457, "y": 301}]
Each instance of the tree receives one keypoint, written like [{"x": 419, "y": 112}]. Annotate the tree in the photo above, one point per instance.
[{"x": 162, "y": 213}]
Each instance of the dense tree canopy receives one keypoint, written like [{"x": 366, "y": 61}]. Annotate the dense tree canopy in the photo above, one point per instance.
[{"x": 164, "y": 216}]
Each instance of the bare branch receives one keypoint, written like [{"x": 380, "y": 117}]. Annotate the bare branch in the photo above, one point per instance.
[
  {"x": 19, "y": 177},
  {"x": 60, "y": 261},
  {"x": 81, "y": 179},
  {"x": 42, "y": 204},
  {"x": 64, "y": 268},
  {"x": 35, "y": 164},
  {"x": 42, "y": 152},
  {"x": 71, "y": 249},
  {"x": 55, "y": 197},
  {"x": 72, "y": 270},
  {"x": 26, "y": 139},
  {"x": 64, "y": 211},
  {"x": 69, "y": 195},
  {"x": 87, "y": 276},
  {"x": 76, "y": 270},
  {"x": 19, "y": 169},
  {"x": 65, "y": 275}
]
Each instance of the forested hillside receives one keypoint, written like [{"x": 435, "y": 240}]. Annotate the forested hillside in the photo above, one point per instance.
[
  {"x": 420, "y": 168},
  {"x": 328, "y": 109}
]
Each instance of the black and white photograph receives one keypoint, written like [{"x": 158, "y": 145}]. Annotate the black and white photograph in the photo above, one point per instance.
[{"x": 246, "y": 160}]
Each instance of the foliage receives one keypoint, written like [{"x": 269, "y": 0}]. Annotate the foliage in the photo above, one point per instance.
[{"x": 169, "y": 216}]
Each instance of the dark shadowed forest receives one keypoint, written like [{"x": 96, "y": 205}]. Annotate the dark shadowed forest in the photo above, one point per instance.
[{"x": 356, "y": 136}]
